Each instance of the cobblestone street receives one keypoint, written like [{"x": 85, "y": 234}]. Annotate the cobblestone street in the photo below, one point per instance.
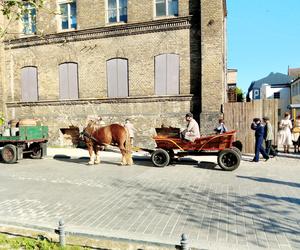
[{"x": 256, "y": 206}]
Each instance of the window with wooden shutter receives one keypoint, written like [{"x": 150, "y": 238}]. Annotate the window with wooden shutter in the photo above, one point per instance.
[
  {"x": 29, "y": 84},
  {"x": 167, "y": 74},
  {"x": 68, "y": 81},
  {"x": 117, "y": 77}
]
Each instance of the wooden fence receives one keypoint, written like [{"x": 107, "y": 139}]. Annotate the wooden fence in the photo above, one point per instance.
[{"x": 238, "y": 116}]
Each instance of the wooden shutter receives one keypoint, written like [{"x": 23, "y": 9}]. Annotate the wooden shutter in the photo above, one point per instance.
[
  {"x": 161, "y": 74},
  {"x": 167, "y": 74},
  {"x": 73, "y": 80},
  {"x": 63, "y": 81},
  {"x": 172, "y": 74},
  {"x": 68, "y": 81},
  {"x": 112, "y": 78},
  {"x": 122, "y": 77},
  {"x": 29, "y": 84},
  {"x": 117, "y": 77}
]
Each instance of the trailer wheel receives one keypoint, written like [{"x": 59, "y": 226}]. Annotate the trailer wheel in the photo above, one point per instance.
[
  {"x": 9, "y": 153},
  {"x": 229, "y": 159},
  {"x": 160, "y": 158},
  {"x": 36, "y": 151}
]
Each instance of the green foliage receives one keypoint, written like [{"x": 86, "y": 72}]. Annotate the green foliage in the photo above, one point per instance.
[
  {"x": 15, "y": 9},
  {"x": 32, "y": 244},
  {"x": 239, "y": 95}
]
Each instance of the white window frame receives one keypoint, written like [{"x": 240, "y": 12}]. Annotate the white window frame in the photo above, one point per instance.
[
  {"x": 68, "y": 2},
  {"x": 166, "y": 8},
  {"x": 118, "y": 12},
  {"x": 29, "y": 7}
]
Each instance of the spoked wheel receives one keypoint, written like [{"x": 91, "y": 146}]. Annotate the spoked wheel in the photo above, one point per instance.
[
  {"x": 36, "y": 151},
  {"x": 229, "y": 159},
  {"x": 160, "y": 158},
  {"x": 9, "y": 153}
]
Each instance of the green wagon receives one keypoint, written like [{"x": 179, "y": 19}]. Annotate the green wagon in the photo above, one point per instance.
[{"x": 31, "y": 140}]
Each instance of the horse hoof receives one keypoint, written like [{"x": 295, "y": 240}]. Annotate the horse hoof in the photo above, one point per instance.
[
  {"x": 97, "y": 162},
  {"x": 91, "y": 163}
]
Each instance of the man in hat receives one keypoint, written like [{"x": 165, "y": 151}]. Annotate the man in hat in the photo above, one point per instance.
[
  {"x": 192, "y": 129},
  {"x": 259, "y": 137},
  {"x": 268, "y": 136}
]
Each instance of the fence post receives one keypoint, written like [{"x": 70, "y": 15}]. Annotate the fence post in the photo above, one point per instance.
[
  {"x": 61, "y": 232},
  {"x": 184, "y": 242}
]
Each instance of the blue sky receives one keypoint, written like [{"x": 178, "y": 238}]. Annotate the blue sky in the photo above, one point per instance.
[{"x": 263, "y": 37}]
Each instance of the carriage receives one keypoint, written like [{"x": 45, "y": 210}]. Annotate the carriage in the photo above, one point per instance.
[{"x": 170, "y": 146}]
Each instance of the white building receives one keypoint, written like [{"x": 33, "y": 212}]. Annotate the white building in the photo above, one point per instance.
[{"x": 274, "y": 86}]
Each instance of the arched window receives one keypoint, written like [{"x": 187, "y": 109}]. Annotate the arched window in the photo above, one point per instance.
[
  {"x": 29, "y": 84},
  {"x": 68, "y": 81},
  {"x": 117, "y": 77},
  {"x": 167, "y": 74}
]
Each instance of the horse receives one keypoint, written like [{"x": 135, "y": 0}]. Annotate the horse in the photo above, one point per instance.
[{"x": 96, "y": 136}]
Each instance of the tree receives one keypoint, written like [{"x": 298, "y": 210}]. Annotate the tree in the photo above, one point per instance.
[
  {"x": 239, "y": 95},
  {"x": 15, "y": 10}
]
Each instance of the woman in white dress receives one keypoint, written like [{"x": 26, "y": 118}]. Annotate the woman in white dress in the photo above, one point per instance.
[{"x": 285, "y": 127}]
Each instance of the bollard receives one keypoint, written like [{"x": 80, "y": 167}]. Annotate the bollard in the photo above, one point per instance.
[
  {"x": 61, "y": 232},
  {"x": 183, "y": 242}
]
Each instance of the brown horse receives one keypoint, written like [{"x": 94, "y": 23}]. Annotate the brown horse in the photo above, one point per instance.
[{"x": 96, "y": 136}]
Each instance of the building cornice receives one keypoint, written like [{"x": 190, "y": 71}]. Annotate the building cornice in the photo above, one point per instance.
[
  {"x": 139, "y": 99},
  {"x": 103, "y": 32}
]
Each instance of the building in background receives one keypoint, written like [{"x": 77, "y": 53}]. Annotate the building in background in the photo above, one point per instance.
[
  {"x": 148, "y": 60},
  {"x": 274, "y": 86},
  {"x": 231, "y": 85}
]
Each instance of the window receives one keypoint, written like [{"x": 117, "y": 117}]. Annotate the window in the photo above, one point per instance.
[
  {"x": 29, "y": 19},
  {"x": 166, "y": 7},
  {"x": 29, "y": 84},
  {"x": 167, "y": 74},
  {"x": 68, "y": 15},
  {"x": 68, "y": 81},
  {"x": 116, "y": 11},
  {"x": 277, "y": 95},
  {"x": 117, "y": 77}
]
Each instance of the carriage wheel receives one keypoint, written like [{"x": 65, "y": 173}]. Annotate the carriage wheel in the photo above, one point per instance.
[
  {"x": 229, "y": 159},
  {"x": 160, "y": 158},
  {"x": 9, "y": 153},
  {"x": 237, "y": 150}
]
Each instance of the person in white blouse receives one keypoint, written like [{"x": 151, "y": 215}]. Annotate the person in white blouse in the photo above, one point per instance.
[{"x": 285, "y": 134}]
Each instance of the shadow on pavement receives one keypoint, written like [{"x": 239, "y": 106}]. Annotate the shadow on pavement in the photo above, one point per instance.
[{"x": 268, "y": 180}]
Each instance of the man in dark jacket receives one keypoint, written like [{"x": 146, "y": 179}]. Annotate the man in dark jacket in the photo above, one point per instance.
[{"x": 259, "y": 138}]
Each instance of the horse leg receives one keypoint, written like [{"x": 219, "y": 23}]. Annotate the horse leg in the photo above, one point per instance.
[
  {"x": 97, "y": 153},
  {"x": 92, "y": 155},
  {"x": 123, "y": 161},
  {"x": 126, "y": 156}
]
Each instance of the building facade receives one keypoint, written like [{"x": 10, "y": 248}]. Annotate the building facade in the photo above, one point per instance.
[
  {"x": 148, "y": 60},
  {"x": 273, "y": 86}
]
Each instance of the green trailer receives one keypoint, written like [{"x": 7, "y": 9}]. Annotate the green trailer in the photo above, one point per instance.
[{"x": 31, "y": 140}]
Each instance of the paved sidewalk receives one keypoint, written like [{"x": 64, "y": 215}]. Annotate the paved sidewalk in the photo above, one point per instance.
[{"x": 255, "y": 207}]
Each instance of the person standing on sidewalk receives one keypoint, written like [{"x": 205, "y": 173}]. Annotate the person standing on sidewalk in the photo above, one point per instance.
[
  {"x": 259, "y": 138},
  {"x": 285, "y": 138},
  {"x": 131, "y": 129},
  {"x": 268, "y": 136}
]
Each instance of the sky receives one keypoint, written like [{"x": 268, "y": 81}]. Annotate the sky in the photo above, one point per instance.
[{"x": 263, "y": 36}]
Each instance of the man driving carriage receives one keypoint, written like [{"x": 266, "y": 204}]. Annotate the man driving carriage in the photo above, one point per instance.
[{"x": 192, "y": 132}]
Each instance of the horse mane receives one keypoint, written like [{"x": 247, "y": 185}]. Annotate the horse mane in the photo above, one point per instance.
[{"x": 93, "y": 125}]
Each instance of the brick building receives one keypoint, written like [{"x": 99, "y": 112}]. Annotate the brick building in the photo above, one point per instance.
[{"x": 148, "y": 60}]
